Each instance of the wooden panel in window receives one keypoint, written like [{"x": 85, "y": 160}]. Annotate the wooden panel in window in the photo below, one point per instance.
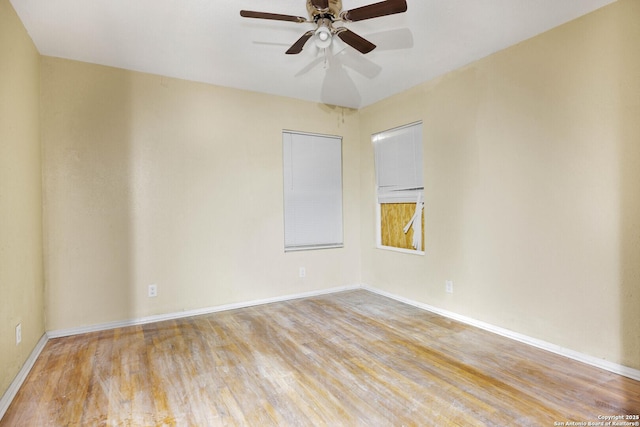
[{"x": 393, "y": 218}]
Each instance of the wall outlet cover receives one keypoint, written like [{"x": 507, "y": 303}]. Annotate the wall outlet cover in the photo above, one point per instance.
[{"x": 449, "y": 286}]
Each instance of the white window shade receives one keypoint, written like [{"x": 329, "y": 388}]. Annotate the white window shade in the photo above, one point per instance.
[
  {"x": 398, "y": 157},
  {"x": 312, "y": 191}
]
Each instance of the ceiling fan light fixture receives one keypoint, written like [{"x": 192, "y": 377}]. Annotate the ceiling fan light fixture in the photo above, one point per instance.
[{"x": 323, "y": 37}]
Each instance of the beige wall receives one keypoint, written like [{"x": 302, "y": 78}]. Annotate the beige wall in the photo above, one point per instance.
[
  {"x": 532, "y": 188},
  {"x": 21, "y": 276},
  {"x": 157, "y": 180},
  {"x": 532, "y": 169}
]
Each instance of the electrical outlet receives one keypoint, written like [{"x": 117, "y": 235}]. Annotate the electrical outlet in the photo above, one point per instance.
[
  {"x": 153, "y": 291},
  {"x": 449, "y": 286},
  {"x": 18, "y": 333},
  {"x": 303, "y": 272}
]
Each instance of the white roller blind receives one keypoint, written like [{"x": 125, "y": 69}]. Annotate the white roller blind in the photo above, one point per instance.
[
  {"x": 398, "y": 157},
  {"x": 312, "y": 191}
]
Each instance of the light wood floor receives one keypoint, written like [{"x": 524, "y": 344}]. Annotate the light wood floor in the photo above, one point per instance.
[{"x": 352, "y": 358}]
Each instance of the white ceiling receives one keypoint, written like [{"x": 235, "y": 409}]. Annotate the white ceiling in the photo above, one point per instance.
[{"x": 208, "y": 41}]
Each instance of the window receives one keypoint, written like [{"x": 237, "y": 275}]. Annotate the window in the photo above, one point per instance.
[
  {"x": 312, "y": 191},
  {"x": 398, "y": 163}
]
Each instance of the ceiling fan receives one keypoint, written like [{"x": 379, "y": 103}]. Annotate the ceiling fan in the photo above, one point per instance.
[{"x": 325, "y": 13}]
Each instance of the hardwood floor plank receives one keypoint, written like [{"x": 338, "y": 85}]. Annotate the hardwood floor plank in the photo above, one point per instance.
[
  {"x": 352, "y": 358},
  {"x": 48, "y": 402},
  {"x": 99, "y": 382}
]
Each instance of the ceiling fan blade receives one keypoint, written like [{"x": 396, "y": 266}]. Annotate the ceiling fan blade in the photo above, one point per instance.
[
  {"x": 297, "y": 46},
  {"x": 274, "y": 16},
  {"x": 320, "y": 4},
  {"x": 338, "y": 88},
  {"x": 375, "y": 10},
  {"x": 355, "y": 41},
  {"x": 401, "y": 38},
  {"x": 359, "y": 63}
]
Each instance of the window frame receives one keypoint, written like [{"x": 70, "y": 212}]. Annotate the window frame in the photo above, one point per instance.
[{"x": 378, "y": 222}]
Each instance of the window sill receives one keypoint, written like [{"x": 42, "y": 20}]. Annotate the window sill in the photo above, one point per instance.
[
  {"x": 401, "y": 250},
  {"x": 312, "y": 248}
]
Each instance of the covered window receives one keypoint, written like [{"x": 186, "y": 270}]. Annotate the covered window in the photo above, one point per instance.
[
  {"x": 312, "y": 191},
  {"x": 400, "y": 188}
]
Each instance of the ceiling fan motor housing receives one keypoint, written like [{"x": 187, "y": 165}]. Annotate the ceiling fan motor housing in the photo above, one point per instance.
[{"x": 335, "y": 6}]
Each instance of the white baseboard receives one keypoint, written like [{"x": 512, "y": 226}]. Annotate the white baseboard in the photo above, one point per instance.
[
  {"x": 553, "y": 348},
  {"x": 11, "y": 392},
  {"x": 188, "y": 313}
]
